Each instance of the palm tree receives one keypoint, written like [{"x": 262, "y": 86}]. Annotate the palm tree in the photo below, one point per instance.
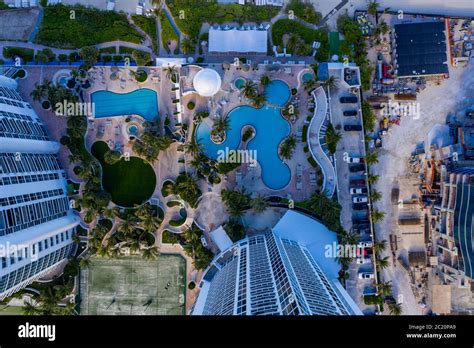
[
  {"x": 373, "y": 7},
  {"x": 380, "y": 246},
  {"x": 113, "y": 251},
  {"x": 38, "y": 92},
  {"x": 265, "y": 80},
  {"x": 126, "y": 226},
  {"x": 259, "y": 99},
  {"x": 348, "y": 238},
  {"x": 193, "y": 147},
  {"x": 222, "y": 124},
  {"x": 332, "y": 138},
  {"x": 373, "y": 178},
  {"x": 371, "y": 158},
  {"x": 85, "y": 262},
  {"x": 377, "y": 216},
  {"x": 375, "y": 195},
  {"x": 249, "y": 89},
  {"x": 134, "y": 245},
  {"x": 310, "y": 84},
  {"x": 395, "y": 308},
  {"x": 187, "y": 45},
  {"x": 384, "y": 289},
  {"x": 382, "y": 263},
  {"x": 288, "y": 147},
  {"x": 151, "y": 253},
  {"x": 259, "y": 204},
  {"x": 171, "y": 71},
  {"x": 383, "y": 28},
  {"x": 331, "y": 82},
  {"x": 150, "y": 223},
  {"x": 29, "y": 308}
]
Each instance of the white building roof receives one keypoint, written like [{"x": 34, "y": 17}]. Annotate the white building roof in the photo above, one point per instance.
[
  {"x": 234, "y": 40},
  {"x": 221, "y": 239},
  {"x": 207, "y": 82},
  {"x": 313, "y": 235}
]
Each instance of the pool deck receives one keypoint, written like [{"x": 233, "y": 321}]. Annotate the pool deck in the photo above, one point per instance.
[{"x": 229, "y": 98}]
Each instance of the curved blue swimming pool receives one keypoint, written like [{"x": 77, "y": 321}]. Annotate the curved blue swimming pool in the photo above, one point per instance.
[
  {"x": 271, "y": 129},
  {"x": 143, "y": 102}
]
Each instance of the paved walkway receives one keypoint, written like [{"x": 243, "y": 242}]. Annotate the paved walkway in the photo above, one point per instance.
[
  {"x": 314, "y": 140},
  {"x": 57, "y": 51}
]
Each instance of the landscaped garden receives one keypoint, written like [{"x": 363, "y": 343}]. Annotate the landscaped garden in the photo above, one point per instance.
[
  {"x": 129, "y": 182},
  {"x": 299, "y": 38},
  {"x": 198, "y": 12},
  {"x": 89, "y": 27}
]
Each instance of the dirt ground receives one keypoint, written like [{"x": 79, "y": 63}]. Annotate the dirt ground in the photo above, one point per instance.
[
  {"x": 451, "y": 98},
  {"x": 17, "y": 24}
]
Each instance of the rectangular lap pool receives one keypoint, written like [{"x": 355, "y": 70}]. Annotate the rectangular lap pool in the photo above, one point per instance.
[{"x": 143, "y": 102}]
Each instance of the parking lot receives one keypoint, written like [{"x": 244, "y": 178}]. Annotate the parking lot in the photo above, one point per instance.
[{"x": 352, "y": 185}]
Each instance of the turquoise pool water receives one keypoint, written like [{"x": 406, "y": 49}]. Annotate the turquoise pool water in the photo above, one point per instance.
[
  {"x": 307, "y": 76},
  {"x": 133, "y": 130},
  {"x": 278, "y": 93},
  {"x": 239, "y": 83},
  {"x": 271, "y": 129},
  {"x": 143, "y": 102}
]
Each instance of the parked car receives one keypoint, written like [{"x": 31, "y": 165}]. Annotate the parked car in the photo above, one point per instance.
[
  {"x": 352, "y": 127},
  {"x": 355, "y": 159},
  {"x": 361, "y": 228},
  {"x": 359, "y": 199},
  {"x": 357, "y": 182},
  {"x": 356, "y": 168},
  {"x": 359, "y": 206},
  {"x": 363, "y": 260},
  {"x": 348, "y": 99},
  {"x": 366, "y": 275},
  {"x": 350, "y": 113},
  {"x": 357, "y": 190}
]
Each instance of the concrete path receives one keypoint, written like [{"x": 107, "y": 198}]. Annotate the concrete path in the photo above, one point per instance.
[{"x": 314, "y": 141}]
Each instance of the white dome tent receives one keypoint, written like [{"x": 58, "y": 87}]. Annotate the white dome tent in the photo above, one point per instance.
[{"x": 207, "y": 82}]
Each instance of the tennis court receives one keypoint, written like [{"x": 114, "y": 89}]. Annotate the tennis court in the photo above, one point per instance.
[{"x": 133, "y": 286}]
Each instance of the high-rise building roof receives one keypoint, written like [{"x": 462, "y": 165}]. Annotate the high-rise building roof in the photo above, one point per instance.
[
  {"x": 36, "y": 223},
  {"x": 272, "y": 273}
]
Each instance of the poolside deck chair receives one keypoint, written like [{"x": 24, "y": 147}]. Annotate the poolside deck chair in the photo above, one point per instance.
[{"x": 299, "y": 185}]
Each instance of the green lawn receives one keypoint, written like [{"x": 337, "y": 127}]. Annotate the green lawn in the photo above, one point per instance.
[
  {"x": 133, "y": 286},
  {"x": 129, "y": 182},
  {"x": 334, "y": 43},
  {"x": 10, "y": 310}
]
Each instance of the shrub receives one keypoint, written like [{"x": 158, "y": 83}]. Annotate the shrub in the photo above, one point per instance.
[
  {"x": 111, "y": 157},
  {"x": 304, "y": 136},
  {"x": 191, "y": 105},
  {"x": 247, "y": 134},
  {"x": 25, "y": 54},
  {"x": 191, "y": 285},
  {"x": 312, "y": 161},
  {"x": 199, "y": 59}
]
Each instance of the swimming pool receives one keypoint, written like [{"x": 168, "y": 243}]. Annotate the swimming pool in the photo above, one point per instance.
[
  {"x": 143, "y": 102},
  {"x": 239, "y": 83},
  {"x": 278, "y": 93},
  {"x": 271, "y": 129},
  {"x": 307, "y": 76}
]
